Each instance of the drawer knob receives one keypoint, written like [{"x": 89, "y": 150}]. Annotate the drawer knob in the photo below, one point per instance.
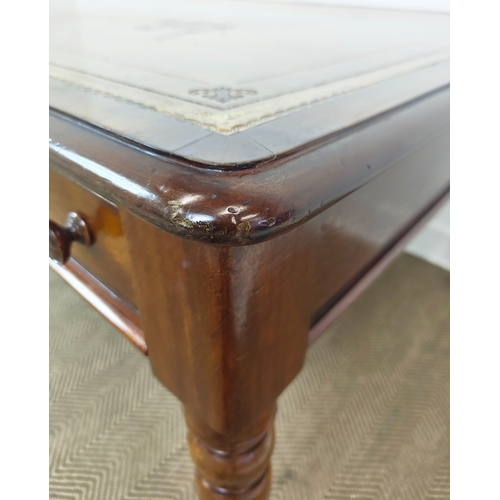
[{"x": 61, "y": 238}]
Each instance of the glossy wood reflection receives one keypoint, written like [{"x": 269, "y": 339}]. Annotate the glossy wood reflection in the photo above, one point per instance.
[
  {"x": 227, "y": 340},
  {"x": 220, "y": 273},
  {"x": 108, "y": 257},
  {"x": 238, "y": 208}
]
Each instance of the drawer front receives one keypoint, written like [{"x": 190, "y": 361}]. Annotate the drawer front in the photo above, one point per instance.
[{"x": 107, "y": 259}]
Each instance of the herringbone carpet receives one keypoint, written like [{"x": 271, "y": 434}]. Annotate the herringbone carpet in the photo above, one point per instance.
[{"x": 368, "y": 417}]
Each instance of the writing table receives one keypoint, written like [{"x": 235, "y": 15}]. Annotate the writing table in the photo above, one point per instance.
[{"x": 226, "y": 177}]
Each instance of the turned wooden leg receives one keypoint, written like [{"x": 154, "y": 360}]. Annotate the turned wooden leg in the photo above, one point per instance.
[
  {"x": 228, "y": 466},
  {"x": 226, "y": 329}
]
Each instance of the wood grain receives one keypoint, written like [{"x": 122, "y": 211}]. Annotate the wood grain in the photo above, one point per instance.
[
  {"x": 227, "y": 326},
  {"x": 225, "y": 340},
  {"x": 108, "y": 257},
  {"x": 239, "y": 208},
  {"x": 118, "y": 312},
  {"x": 229, "y": 267}
]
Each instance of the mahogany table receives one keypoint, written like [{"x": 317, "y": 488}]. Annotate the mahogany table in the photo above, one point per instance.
[{"x": 226, "y": 177}]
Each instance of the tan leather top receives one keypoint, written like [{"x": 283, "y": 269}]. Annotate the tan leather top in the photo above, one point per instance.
[{"x": 222, "y": 66}]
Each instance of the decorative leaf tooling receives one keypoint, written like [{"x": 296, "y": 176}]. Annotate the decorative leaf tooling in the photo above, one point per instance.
[{"x": 222, "y": 94}]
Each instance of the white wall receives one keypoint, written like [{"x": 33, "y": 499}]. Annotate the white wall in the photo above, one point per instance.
[
  {"x": 433, "y": 242},
  {"x": 422, "y": 5}
]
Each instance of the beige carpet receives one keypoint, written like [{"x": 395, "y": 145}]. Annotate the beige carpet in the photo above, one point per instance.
[{"x": 368, "y": 417}]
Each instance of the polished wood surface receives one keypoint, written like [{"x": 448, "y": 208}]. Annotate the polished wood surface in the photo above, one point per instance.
[
  {"x": 212, "y": 320},
  {"x": 357, "y": 231},
  {"x": 222, "y": 246},
  {"x": 169, "y": 137},
  {"x": 249, "y": 206},
  {"x": 227, "y": 341},
  {"x": 113, "y": 308},
  {"x": 108, "y": 257},
  {"x": 234, "y": 464},
  {"x": 61, "y": 238},
  {"x": 352, "y": 290}
]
